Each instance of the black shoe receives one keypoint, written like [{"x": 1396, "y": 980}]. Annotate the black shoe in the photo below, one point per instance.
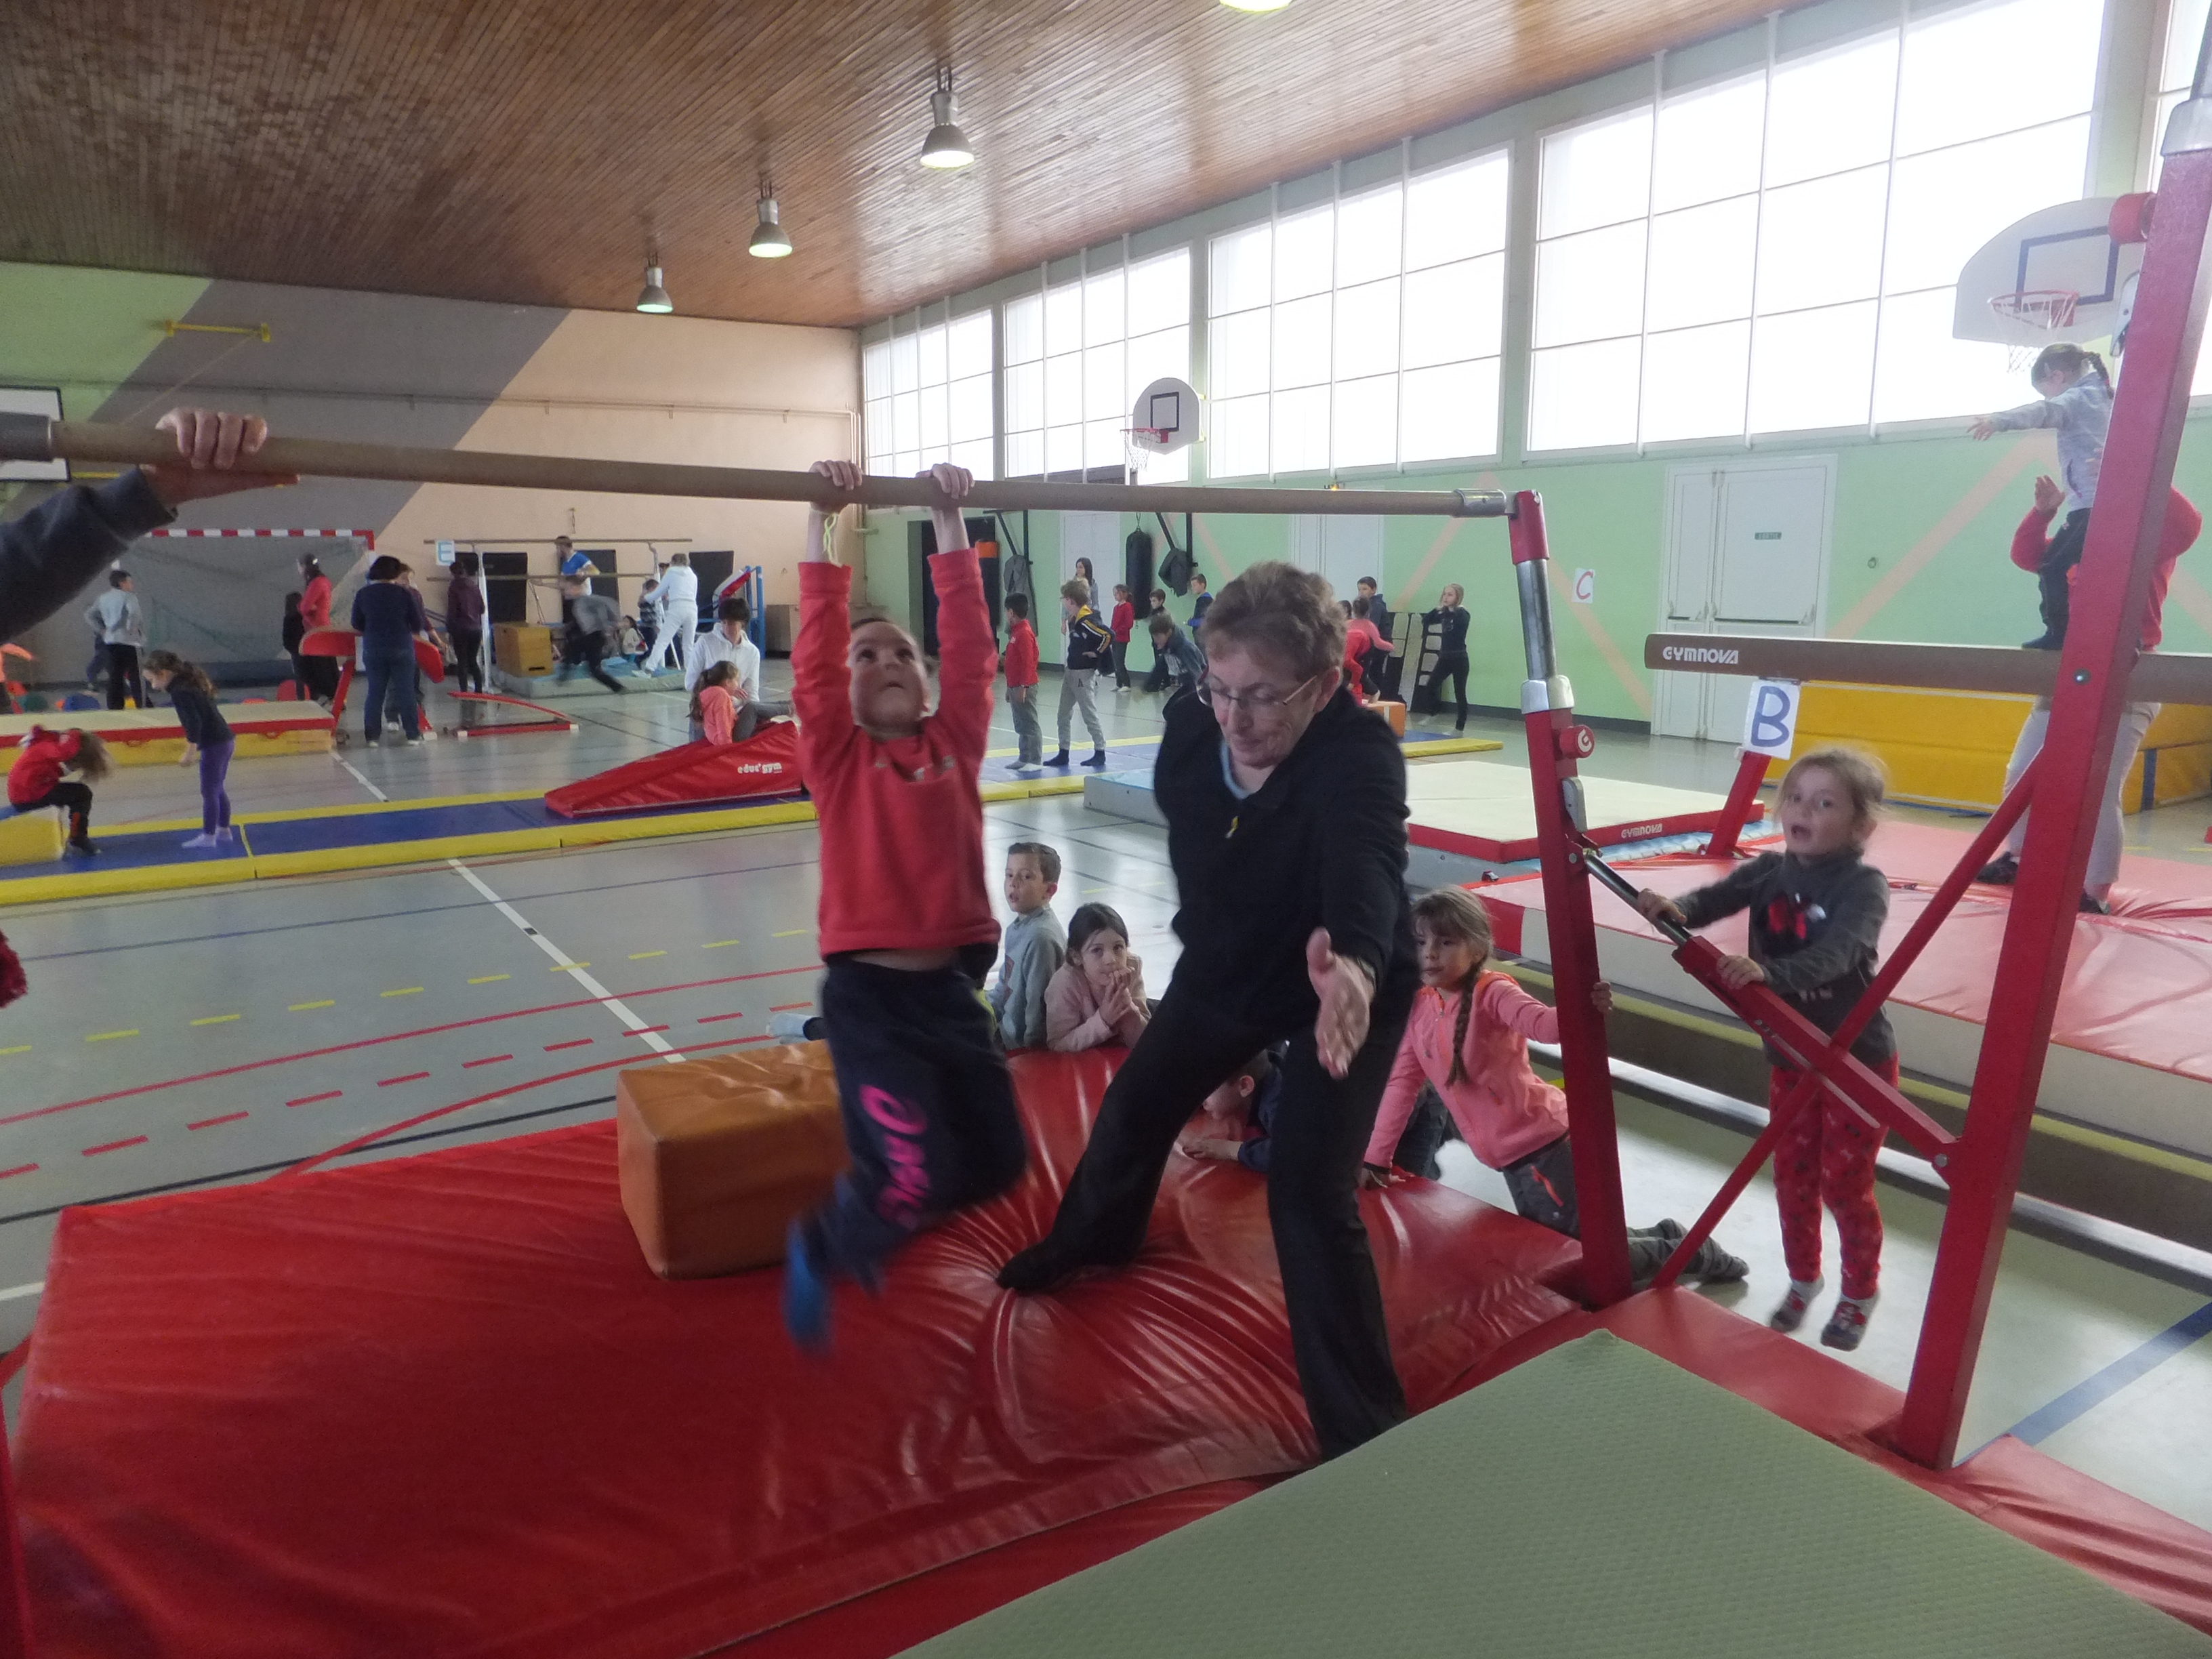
[
  {"x": 84, "y": 846},
  {"x": 1712, "y": 1265},
  {"x": 2046, "y": 641},
  {"x": 2093, "y": 907},
  {"x": 1097, "y": 760},
  {"x": 1060, "y": 759},
  {"x": 1039, "y": 1267},
  {"x": 1999, "y": 871}
]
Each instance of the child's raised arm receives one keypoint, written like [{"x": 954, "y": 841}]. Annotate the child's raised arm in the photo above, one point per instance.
[
  {"x": 821, "y": 680},
  {"x": 968, "y": 656}
]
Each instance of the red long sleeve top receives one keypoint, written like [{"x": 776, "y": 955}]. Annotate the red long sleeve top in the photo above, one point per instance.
[
  {"x": 1125, "y": 618},
  {"x": 1021, "y": 654},
  {"x": 901, "y": 822},
  {"x": 39, "y": 764},
  {"x": 315, "y": 604},
  {"x": 2183, "y": 521}
]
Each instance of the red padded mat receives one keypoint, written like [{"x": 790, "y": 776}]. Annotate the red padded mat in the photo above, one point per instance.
[
  {"x": 2138, "y": 982},
  {"x": 439, "y": 1406}
]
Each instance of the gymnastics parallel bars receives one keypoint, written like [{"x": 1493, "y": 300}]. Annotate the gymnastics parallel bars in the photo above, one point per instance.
[{"x": 35, "y": 438}]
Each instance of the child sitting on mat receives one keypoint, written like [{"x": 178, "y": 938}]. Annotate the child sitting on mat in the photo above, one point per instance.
[
  {"x": 905, "y": 928},
  {"x": 207, "y": 737},
  {"x": 1469, "y": 1038},
  {"x": 37, "y": 779},
  {"x": 2075, "y": 396},
  {"x": 714, "y": 707},
  {"x": 1034, "y": 944},
  {"x": 1097, "y": 997},
  {"x": 1816, "y": 913}
]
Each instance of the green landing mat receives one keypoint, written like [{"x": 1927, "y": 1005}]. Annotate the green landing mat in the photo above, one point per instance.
[{"x": 1596, "y": 1501}]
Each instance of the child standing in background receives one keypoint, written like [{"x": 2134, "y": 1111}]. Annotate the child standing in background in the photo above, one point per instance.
[
  {"x": 1816, "y": 913},
  {"x": 2075, "y": 396},
  {"x": 906, "y": 930},
  {"x": 1022, "y": 682},
  {"x": 37, "y": 779},
  {"x": 1097, "y": 997},
  {"x": 207, "y": 738},
  {"x": 1123, "y": 619},
  {"x": 1034, "y": 946},
  {"x": 1090, "y": 649}
]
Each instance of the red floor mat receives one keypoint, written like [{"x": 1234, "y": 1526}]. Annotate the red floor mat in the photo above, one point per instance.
[{"x": 438, "y": 1406}]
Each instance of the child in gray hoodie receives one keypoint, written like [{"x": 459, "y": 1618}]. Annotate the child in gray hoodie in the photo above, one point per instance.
[
  {"x": 1032, "y": 947},
  {"x": 2076, "y": 399}
]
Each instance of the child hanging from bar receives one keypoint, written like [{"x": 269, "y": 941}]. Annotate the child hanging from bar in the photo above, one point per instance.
[
  {"x": 2073, "y": 396},
  {"x": 1816, "y": 908},
  {"x": 1468, "y": 1038},
  {"x": 906, "y": 927}
]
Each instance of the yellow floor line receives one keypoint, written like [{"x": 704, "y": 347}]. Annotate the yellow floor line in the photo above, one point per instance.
[
  {"x": 489, "y": 979},
  {"x": 791, "y": 933},
  {"x": 110, "y": 1037},
  {"x": 721, "y": 945},
  {"x": 20, "y": 1049},
  {"x": 218, "y": 1019},
  {"x": 405, "y": 991},
  {"x": 641, "y": 956},
  {"x": 306, "y": 1007}
]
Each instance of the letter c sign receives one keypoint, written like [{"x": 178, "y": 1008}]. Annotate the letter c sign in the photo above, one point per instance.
[{"x": 1770, "y": 722}]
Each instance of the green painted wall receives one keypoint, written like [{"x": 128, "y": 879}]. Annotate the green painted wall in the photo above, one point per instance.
[{"x": 84, "y": 330}]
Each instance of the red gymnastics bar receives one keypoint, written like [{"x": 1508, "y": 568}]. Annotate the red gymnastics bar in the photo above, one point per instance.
[{"x": 2112, "y": 594}]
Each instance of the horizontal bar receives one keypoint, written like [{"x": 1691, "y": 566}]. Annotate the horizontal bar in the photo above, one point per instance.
[
  {"x": 2159, "y": 677},
  {"x": 35, "y": 438}
]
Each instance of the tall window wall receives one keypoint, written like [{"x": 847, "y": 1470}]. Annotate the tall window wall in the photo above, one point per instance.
[
  {"x": 1777, "y": 252},
  {"x": 1364, "y": 332},
  {"x": 928, "y": 392},
  {"x": 1077, "y": 354},
  {"x": 2184, "y": 32}
]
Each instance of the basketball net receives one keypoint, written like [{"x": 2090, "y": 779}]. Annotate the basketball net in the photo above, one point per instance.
[
  {"x": 1142, "y": 445},
  {"x": 2045, "y": 309}
]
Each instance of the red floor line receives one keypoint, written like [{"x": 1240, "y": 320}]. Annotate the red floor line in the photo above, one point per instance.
[
  {"x": 488, "y": 1060},
  {"x": 309, "y": 1100},
  {"x": 786, "y": 1007},
  {"x": 647, "y": 1031},
  {"x": 412, "y": 1077},
  {"x": 396, "y": 1037},
  {"x": 21, "y": 1168},
  {"x": 708, "y": 1019},
  {"x": 573, "y": 1042},
  {"x": 114, "y": 1145},
  {"x": 369, "y": 1140},
  {"x": 209, "y": 1123}
]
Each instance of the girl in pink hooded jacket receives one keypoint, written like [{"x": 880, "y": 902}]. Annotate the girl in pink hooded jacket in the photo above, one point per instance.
[{"x": 1469, "y": 1037}]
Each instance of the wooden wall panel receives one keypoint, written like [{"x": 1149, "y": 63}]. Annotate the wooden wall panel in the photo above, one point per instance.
[{"x": 529, "y": 150}]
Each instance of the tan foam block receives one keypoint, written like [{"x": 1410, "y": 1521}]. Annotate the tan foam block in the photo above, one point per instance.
[
  {"x": 1392, "y": 712},
  {"x": 718, "y": 1155}
]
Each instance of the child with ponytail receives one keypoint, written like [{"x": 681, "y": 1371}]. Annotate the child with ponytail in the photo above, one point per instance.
[
  {"x": 37, "y": 779},
  {"x": 207, "y": 737},
  {"x": 2075, "y": 398},
  {"x": 1468, "y": 1035}
]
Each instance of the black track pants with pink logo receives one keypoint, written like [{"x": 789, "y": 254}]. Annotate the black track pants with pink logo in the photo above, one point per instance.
[{"x": 928, "y": 1109}]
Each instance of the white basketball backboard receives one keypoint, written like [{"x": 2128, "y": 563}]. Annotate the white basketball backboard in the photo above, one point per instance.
[
  {"x": 1167, "y": 416},
  {"x": 2065, "y": 248}
]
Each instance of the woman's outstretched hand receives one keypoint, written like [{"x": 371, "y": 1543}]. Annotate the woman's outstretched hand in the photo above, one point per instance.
[{"x": 1346, "y": 989}]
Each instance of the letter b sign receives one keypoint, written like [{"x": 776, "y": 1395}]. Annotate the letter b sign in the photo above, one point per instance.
[{"x": 1769, "y": 724}]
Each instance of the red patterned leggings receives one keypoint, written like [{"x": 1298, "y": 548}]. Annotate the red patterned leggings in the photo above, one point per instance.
[{"x": 1827, "y": 1155}]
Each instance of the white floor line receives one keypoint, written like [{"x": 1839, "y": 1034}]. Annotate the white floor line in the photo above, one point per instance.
[
  {"x": 358, "y": 778},
  {"x": 15, "y": 1290},
  {"x": 613, "y": 1004}
]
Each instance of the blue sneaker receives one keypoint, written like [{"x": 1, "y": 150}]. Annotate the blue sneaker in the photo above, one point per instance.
[{"x": 805, "y": 1294}]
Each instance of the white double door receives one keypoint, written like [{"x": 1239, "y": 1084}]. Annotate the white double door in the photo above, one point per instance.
[{"x": 1746, "y": 552}]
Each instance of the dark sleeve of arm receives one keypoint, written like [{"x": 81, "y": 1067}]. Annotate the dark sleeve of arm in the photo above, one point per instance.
[
  {"x": 49, "y": 553},
  {"x": 1852, "y": 929},
  {"x": 1731, "y": 893},
  {"x": 1364, "y": 868}
]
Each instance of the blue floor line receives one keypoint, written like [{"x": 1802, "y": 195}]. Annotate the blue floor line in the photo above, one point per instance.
[{"x": 2092, "y": 1392}]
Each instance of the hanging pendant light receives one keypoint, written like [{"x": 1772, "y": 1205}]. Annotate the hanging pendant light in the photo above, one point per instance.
[
  {"x": 947, "y": 146},
  {"x": 769, "y": 240},
  {"x": 652, "y": 297}
]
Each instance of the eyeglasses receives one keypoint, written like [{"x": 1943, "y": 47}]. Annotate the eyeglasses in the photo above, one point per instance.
[{"x": 1263, "y": 702}]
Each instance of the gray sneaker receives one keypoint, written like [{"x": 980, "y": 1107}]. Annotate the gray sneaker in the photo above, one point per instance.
[{"x": 790, "y": 1026}]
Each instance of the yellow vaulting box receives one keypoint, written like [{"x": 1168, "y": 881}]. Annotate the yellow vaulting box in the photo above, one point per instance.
[
  {"x": 718, "y": 1155},
  {"x": 522, "y": 648}
]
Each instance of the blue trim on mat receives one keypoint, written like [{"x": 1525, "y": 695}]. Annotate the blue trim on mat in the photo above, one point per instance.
[{"x": 2091, "y": 1392}]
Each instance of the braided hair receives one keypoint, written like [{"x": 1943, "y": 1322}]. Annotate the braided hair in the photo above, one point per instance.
[{"x": 1453, "y": 913}]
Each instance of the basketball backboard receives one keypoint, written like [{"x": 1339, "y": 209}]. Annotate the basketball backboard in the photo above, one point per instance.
[
  {"x": 2064, "y": 249},
  {"x": 1167, "y": 416}
]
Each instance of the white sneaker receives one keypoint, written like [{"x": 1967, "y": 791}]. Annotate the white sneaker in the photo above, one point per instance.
[
  {"x": 430, "y": 734},
  {"x": 790, "y": 1025}
]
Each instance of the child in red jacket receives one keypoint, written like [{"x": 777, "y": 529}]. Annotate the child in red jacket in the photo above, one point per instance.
[
  {"x": 1124, "y": 619},
  {"x": 906, "y": 925},
  {"x": 37, "y": 779},
  {"x": 1022, "y": 682}
]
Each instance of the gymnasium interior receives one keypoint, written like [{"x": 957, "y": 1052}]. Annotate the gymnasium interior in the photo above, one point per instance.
[{"x": 391, "y": 1244}]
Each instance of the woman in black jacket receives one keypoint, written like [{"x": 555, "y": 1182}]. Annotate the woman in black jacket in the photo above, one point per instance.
[{"x": 1286, "y": 805}]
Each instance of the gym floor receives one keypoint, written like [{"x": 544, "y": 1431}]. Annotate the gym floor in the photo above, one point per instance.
[{"x": 214, "y": 1035}]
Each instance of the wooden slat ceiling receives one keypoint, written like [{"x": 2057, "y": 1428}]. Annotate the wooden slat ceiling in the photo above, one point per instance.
[{"x": 529, "y": 150}]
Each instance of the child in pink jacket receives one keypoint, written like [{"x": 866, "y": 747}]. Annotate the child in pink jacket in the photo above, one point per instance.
[
  {"x": 1097, "y": 997},
  {"x": 1469, "y": 1034}
]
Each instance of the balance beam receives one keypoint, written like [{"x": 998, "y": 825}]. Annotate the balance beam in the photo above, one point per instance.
[
  {"x": 35, "y": 438},
  {"x": 2158, "y": 676}
]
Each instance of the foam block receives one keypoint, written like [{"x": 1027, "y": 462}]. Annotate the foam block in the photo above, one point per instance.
[
  {"x": 718, "y": 1155},
  {"x": 33, "y": 837},
  {"x": 1392, "y": 712}
]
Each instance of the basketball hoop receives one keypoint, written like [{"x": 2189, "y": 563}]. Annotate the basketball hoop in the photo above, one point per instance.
[
  {"x": 2045, "y": 310},
  {"x": 1142, "y": 443}
]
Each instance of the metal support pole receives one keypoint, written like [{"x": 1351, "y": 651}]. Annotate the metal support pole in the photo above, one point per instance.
[
  {"x": 2099, "y": 652},
  {"x": 33, "y": 437},
  {"x": 1741, "y": 807},
  {"x": 1554, "y": 743}
]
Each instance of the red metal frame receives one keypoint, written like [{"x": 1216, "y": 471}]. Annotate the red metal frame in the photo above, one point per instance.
[{"x": 1742, "y": 808}]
